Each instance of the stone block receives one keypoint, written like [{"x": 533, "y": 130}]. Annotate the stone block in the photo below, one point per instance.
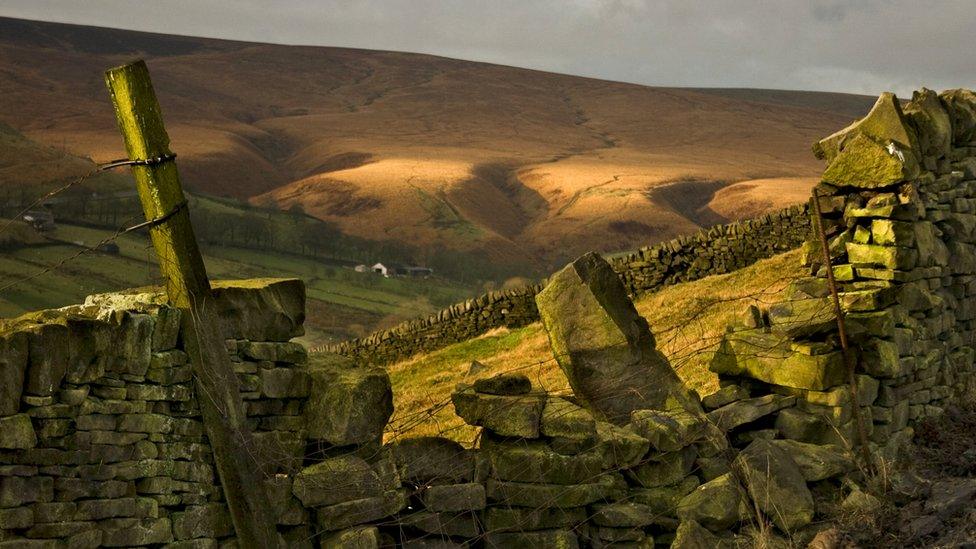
[
  {"x": 454, "y": 497},
  {"x": 203, "y": 521},
  {"x": 562, "y": 418},
  {"x": 362, "y": 537},
  {"x": 361, "y": 511},
  {"x": 16, "y": 491},
  {"x": 534, "y": 461},
  {"x": 776, "y": 484},
  {"x": 664, "y": 469},
  {"x": 563, "y": 539},
  {"x": 746, "y": 411},
  {"x": 725, "y": 395},
  {"x": 817, "y": 462},
  {"x": 269, "y": 309},
  {"x": 17, "y": 432},
  {"x": 522, "y": 494},
  {"x": 768, "y": 357},
  {"x": 351, "y": 404},
  {"x": 433, "y": 460},
  {"x": 136, "y": 532},
  {"x": 47, "y": 358},
  {"x": 284, "y": 383},
  {"x": 718, "y": 504},
  {"x": 337, "y": 480},
  {"x": 604, "y": 347},
  {"x": 462, "y": 525},
  {"x": 521, "y": 519},
  {"x": 669, "y": 431},
  {"x": 514, "y": 416},
  {"x": 13, "y": 366}
]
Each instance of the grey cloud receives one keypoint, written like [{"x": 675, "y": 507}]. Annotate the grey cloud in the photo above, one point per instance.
[{"x": 855, "y": 46}]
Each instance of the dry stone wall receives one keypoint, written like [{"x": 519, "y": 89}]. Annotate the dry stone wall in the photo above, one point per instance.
[
  {"x": 102, "y": 445},
  {"x": 101, "y": 439},
  {"x": 719, "y": 250}
]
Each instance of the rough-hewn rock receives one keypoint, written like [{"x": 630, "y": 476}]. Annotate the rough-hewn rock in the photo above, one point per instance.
[
  {"x": 13, "y": 364},
  {"x": 770, "y": 358},
  {"x": 336, "y": 480},
  {"x": 433, "y": 460},
  {"x": 351, "y": 404},
  {"x": 691, "y": 535},
  {"x": 605, "y": 348},
  {"x": 17, "y": 432},
  {"x": 817, "y": 462},
  {"x": 514, "y": 416},
  {"x": 776, "y": 484},
  {"x": 718, "y": 504}
]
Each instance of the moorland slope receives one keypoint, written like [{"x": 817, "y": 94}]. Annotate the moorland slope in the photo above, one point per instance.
[{"x": 523, "y": 167}]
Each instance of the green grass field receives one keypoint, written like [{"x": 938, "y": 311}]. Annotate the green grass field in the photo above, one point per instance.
[{"x": 342, "y": 302}]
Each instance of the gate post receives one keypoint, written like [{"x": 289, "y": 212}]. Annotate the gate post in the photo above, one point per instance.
[{"x": 188, "y": 289}]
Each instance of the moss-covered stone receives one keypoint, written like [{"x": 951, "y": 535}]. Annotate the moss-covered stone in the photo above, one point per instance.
[
  {"x": 664, "y": 499},
  {"x": 534, "y": 461},
  {"x": 817, "y": 462},
  {"x": 776, "y": 484},
  {"x": 13, "y": 365},
  {"x": 887, "y": 232},
  {"x": 932, "y": 121},
  {"x": 664, "y": 469},
  {"x": 361, "y": 511},
  {"x": 337, "y": 480},
  {"x": 521, "y": 494},
  {"x": 865, "y": 163},
  {"x": 691, "y": 535},
  {"x": 363, "y": 537},
  {"x": 556, "y": 539},
  {"x": 17, "y": 432},
  {"x": 623, "y": 515},
  {"x": 618, "y": 447},
  {"x": 349, "y": 404},
  {"x": 263, "y": 309},
  {"x": 718, "y": 504},
  {"x": 202, "y": 521},
  {"x": 725, "y": 395},
  {"x": 562, "y": 418},
  {"x": 513, "y": 416},
  {"x": 767, "y": 357},
  {"x": 48, "y": 358},
  {"x": 746, "y": 411},
  {"x": 454, "y": 497},
  {"x": 891, "y": 257},
  {"x": 433, "y": 460},
  {"x": 603, "y": 345},
  {"x": 885, "y": 123},
  {"x": 669, "y": 431},
  {"x": 521, "y": 519},
  {"x": 443, "y": 525},
  {"x": 961, "y": 106}
]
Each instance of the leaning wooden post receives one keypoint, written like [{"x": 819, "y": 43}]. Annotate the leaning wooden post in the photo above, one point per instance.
[{"x": 188, "y": 288}]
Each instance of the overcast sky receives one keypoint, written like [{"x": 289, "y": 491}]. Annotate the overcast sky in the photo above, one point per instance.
[{"x": 862, "y": 46}]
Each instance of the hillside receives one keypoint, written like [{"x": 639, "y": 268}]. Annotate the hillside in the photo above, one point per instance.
[
  {"x": 687, "y": 320},
  {"x": 511, "y": 170}
]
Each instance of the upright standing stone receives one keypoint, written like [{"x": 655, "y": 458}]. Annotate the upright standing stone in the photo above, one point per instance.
[{"x": 605, "y": 348}]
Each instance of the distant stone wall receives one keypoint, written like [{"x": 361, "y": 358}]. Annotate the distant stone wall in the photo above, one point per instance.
[{"x": 719, "y": 250}]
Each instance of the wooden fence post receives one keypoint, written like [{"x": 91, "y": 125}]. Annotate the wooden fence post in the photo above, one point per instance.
[{"x": 188, "y": 289}]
